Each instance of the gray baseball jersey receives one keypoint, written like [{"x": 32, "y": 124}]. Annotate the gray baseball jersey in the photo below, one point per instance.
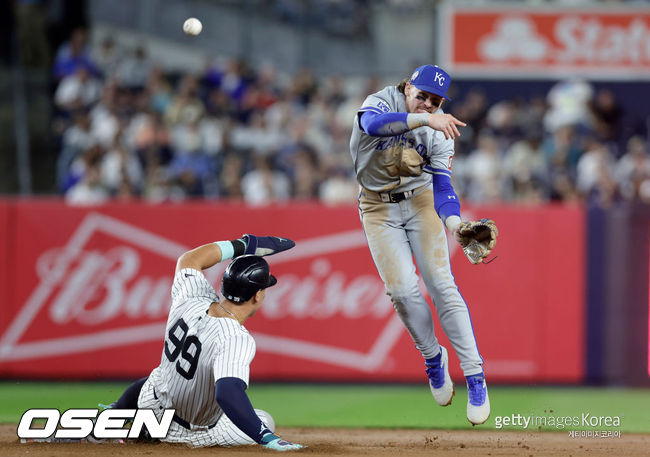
[
  {"x": 198, "y": 350},
  {"x": 398, "y": 232},
  {"x": 368, "y": 152}
]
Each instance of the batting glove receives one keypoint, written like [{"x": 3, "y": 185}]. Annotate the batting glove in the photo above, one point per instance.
[
  {"x": 273, "y": 441},
  {"x": 266, "y": 245}
]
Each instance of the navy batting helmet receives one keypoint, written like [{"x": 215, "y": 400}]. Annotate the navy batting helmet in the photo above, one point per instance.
[{"x": 244, "y": 277}]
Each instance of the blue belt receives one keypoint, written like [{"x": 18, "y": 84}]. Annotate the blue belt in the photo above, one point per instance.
[{"x": 183, "y": 423}]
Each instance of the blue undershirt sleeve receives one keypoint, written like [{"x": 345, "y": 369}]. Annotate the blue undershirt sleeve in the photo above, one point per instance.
[
  {"x": 445, "y": 198},
  {"x": 231, "y": 396},
  {"x": 383, "y": 124}
]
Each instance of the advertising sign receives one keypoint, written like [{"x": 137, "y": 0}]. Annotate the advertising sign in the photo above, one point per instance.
[
  {"x": 89, "y": 292},
  {"x": 519, "y": 41}
]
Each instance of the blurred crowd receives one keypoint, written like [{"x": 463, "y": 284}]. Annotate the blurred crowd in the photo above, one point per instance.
[
  {"x": 125, "y": 129},
  {"x": 575, "y": 144}
]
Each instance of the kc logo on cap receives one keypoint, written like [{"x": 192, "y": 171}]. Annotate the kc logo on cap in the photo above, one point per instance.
[{"x": 432, "y": 79}]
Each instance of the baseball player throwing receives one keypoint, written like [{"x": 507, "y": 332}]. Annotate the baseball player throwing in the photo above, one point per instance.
[
  {"x": 399, "y": 133},
  {"x": 204, "y": 368}
]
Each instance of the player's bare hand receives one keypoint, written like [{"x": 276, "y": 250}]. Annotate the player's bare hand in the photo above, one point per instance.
[{"x": 446, "y": 123}]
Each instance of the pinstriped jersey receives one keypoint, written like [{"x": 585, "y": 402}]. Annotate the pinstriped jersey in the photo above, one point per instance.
[
  {"x": 198, "y": 350},
  {"x": 369, "y": 153}
]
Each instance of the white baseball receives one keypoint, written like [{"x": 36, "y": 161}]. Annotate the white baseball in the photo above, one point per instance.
[{"x": 192, "y": 26}]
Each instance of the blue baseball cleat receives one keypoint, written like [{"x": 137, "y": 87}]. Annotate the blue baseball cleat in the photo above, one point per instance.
[
  {"x": 266, "y": 245},
  {"x": 478, "y": 402},
  {"x": 440, "y": 383}
]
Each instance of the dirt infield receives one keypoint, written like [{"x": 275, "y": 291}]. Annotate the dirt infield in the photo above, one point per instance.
[{"x": 346, "y": 442}]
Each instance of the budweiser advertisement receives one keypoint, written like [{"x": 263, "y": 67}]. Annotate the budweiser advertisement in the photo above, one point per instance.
[
  {"x": 86, "y": 292},
  {"x": 512, "y": 41}
]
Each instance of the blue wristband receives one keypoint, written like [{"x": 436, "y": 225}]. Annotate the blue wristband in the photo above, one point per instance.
[{"x": 227, "y": 249}]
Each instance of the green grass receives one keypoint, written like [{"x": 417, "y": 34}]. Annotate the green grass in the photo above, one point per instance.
[
  {"x": 18, "y": 396},
  {"x": 386, "y": 406}
]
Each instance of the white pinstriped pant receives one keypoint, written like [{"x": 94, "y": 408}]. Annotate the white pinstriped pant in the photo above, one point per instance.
[
  {"x": 397, "y": 232},
  {"x": 224, "y": 433}
]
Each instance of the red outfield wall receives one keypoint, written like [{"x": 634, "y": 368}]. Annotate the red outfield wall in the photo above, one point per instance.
[{"x": 85, "y": 292}]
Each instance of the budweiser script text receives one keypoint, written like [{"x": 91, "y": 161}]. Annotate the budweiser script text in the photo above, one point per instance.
[{"x": 100, "y": 286}]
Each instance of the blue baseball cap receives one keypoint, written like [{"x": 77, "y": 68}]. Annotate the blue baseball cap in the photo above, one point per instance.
[{"x": 432, "y": 79}]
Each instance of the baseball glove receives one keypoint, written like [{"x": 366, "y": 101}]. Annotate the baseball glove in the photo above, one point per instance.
[
  {"x": 477, "y": 238},
  {"x": 401, "y": 161}
]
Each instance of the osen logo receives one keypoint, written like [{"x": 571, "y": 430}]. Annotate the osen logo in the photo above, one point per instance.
[{"x": 79, "y": 423}]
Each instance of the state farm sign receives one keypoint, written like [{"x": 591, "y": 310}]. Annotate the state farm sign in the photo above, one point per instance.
[{"x": 597, "y": 44}]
